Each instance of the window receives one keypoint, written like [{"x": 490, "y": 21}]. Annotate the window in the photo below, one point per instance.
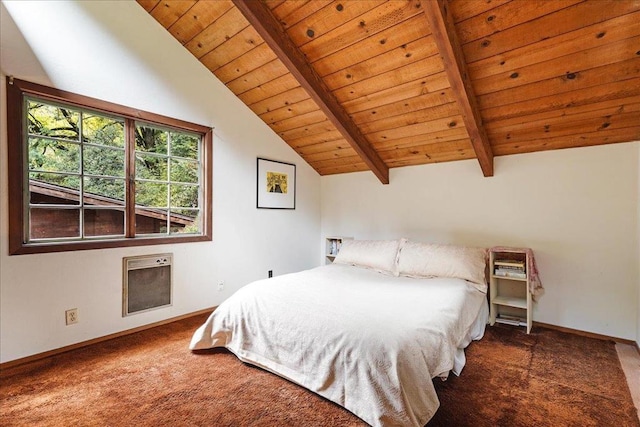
[{"x": 87, "y": 174}]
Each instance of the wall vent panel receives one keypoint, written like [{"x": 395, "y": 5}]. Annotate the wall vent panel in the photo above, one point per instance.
[{"x": 147, "y": 283}]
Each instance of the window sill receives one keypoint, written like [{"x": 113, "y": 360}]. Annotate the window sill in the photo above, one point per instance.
[{"x": 48, "y": 247}]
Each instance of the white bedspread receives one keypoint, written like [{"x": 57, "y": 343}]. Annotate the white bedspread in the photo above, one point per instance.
[{"x": 369, "y": 342}]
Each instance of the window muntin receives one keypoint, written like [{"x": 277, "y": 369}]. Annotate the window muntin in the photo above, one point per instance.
[{"x": 100, "y": 178}]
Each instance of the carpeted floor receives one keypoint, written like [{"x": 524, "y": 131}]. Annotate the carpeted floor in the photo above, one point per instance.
[{"x": 150, "y": 378}]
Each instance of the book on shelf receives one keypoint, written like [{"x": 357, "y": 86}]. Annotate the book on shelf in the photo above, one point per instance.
[
  {"x": 334, "y": 246},
  {"x": 510, "y": 268},
  {"x": 510, "y": 273},
  {"x": 510, "y": 320},
  {"x": 509, "y": 263}
]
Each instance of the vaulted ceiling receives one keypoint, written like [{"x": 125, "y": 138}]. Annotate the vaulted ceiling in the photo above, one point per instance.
[{"x": 355, "y": 85}]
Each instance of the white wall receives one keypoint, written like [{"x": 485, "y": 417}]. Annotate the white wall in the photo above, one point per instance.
[
  {"x": 577, "y": 209},
  {"x": 115, "y": 51}
]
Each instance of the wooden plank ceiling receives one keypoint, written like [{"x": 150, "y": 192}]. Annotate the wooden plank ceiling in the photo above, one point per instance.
[{"x": 356, "y": 85}]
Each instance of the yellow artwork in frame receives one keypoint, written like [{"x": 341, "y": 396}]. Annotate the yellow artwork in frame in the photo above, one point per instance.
[{"x": 276, "y": 182}]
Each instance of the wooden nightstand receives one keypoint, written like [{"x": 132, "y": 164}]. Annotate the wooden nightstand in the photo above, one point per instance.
[
  {"x": 332, "y": 247},
  {"x": 509, "y": 287}
]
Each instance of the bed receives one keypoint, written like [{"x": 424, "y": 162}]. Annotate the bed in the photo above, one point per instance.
[{"x": 369, "y": 332}]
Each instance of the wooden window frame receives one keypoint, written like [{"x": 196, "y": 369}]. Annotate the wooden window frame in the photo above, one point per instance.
[{"x": 16, "y": 91}]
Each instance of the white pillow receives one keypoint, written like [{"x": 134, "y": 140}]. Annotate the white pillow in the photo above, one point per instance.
[
  {"x": 432, "y": 260},
  {"x": 379, "y": 255}
]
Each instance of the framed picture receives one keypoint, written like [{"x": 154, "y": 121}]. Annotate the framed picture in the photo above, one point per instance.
[{"x": 276, "y": 185}]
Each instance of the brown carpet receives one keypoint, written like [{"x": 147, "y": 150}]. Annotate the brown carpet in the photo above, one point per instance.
[{"x": 150, "y": 378}]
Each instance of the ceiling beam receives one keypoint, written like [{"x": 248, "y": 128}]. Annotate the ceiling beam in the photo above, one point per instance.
[
  {"x": 260, "y": 17},
  {"x": 444, "y": 33}
]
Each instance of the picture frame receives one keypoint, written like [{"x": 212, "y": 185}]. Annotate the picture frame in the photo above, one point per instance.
[{"x": 276, "y": 184}]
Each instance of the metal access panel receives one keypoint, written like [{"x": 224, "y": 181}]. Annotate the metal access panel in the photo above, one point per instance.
[{"x": 147, "y": 283}]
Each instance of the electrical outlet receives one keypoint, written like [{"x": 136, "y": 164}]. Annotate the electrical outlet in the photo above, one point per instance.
[
  {"x": 270, "y": 274},
  {"x": 71, "y": 316},
  {"x": 220, "y": 285}
]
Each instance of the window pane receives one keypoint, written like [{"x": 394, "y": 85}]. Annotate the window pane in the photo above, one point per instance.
[
  {"x": 151, "y": 194},
  {"x": 184, "y": 196},
  {"x": 103, "y": 190},
  {"x": 54, "y": 156},
  {"x": 151, "y": 140},
  {"x": 151, "y": 221},
  {"x": 103, "y": 161},
  {"x": 54, "y": 189},
  {"x": 54, "y": 223},
  {"x": 185, "y": 221},
  {"x": 103, "y": 222},
  {"x": 49, "y": 120},
  {"x": 184, "y": 171},
  {"x": 151, "y": 167},
  {"x": 184, "y": 145},
  {"x": 102, "y": 130}
]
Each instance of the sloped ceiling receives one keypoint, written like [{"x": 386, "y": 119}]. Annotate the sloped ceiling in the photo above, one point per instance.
[{"x": 356, "y": 85}]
